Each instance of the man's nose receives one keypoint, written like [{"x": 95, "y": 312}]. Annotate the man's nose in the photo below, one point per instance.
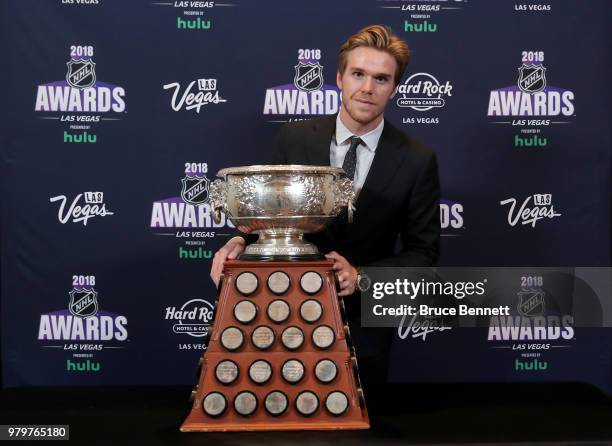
[{"x": 368, "y": 85}]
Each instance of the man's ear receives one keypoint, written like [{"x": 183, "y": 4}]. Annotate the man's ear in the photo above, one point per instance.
[{"x": 339, "y": 80}]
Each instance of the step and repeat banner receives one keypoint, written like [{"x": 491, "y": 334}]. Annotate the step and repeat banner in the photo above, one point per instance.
[{"x": 118, "y": 114}]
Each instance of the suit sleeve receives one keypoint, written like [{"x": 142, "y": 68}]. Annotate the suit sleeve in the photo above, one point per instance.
[
  {"x": 279, "y": 150},
  {"x": 420, "y": 219}
]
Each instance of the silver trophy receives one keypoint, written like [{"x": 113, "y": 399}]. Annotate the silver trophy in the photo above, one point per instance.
[{"x": 281, "y": 203}]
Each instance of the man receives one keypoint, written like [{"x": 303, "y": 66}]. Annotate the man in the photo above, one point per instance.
[{"x": 395, "y": 177}]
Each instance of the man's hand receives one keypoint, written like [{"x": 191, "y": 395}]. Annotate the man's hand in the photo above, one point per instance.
[
  {"x": 347, "y": 273},
  {"x": 232, "y": 249}
]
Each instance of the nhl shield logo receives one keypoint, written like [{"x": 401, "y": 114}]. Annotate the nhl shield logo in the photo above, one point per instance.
[
  {"x": 81, "y": 73},
  {"x": 195, "y": 189},
  {"x": 308, "y": 76},
  {"x": 83, "y": 302},
  {"x": 532, "y": 78},
  {"x": 531, "y": 302}
]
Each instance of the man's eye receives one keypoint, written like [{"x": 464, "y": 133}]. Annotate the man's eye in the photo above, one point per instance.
[
  {"x": 381, "y": 80},
  {"x": 358, "y": 74}
]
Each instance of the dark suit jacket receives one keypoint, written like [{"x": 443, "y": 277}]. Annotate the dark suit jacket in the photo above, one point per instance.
[{"x": 400, "y": 196}]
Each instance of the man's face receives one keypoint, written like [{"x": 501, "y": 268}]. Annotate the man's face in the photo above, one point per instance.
[{"x": 367, "y": 84}]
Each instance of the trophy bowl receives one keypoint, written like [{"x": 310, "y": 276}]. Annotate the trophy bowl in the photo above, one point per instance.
[{"x": 281, "y": 203}]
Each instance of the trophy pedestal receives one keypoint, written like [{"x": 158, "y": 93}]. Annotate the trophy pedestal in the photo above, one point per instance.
[
  {"x": 279, "y": 356},
  {"x": 281, "y": 246}
]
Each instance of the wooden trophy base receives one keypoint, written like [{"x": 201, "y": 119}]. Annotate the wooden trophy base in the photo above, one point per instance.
[{"x": 297, "y": 372}]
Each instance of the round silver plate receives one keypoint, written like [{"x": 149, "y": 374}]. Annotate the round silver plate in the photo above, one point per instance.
[
  {"x": 278, "y": 282},
  {"x": 292, "y": 371},
  {"x": 323, "y": 336},
  {"x": 276, "y": 403},
  {"x": 245, "y": 403},
  {"x": 336, "y": 403},
  {"x": 260, "y": 371},
  {"x": 311, "y": 310},
  {"x": 311, "y": 282},
  {"x": 214, "y": 404},
  {"x": 263, "y": 337},
  {"x": 247, "y": 283},
  {"x": 278, "y": 311},
  {"x": 326, "y": 370},
  {"x": 232, "y": 338},
  {"x": 226, "y": 372},
  {"x": 245, "y": 311},
  {"x": 292, "y": 337},
  {"x": 307, "y": 403}
]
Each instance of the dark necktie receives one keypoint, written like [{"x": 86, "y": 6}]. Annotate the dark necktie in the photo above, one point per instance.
[{"x": 350, "y": 159}]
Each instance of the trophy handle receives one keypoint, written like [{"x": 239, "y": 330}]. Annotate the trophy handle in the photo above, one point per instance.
[
  {"x": 350, "y": 209},
  {"x": 218, "y": 199},
  {"x": 345, "y": 196}
]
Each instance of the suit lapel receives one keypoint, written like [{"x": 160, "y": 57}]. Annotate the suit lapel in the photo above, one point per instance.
[
  {"x": 317, "y": 148},
  {"x": 387, "y": 160}
]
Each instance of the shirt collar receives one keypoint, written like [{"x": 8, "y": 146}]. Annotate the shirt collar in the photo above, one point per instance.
[{"x": 370, "y": 139}]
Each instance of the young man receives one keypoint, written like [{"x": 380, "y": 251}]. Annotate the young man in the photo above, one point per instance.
[{"x": 395, "y": 177}]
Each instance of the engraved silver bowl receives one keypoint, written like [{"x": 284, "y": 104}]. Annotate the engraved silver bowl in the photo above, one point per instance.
[{"x": 281, "y": 203}]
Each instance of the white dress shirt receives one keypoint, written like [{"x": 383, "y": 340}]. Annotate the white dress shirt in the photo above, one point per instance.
[{"x": 365, "y": 151}]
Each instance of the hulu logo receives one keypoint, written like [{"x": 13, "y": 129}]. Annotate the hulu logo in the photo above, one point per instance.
[
  {"x": 198, "y": 253},
  {"x": 534, "y": 141},
  {"x": 532, "y": 365},
  {"x": 82, "y": 138},
  {"x": 87, "y": 366},
  {"x": 423, "y": 27},
  {"x": 192, "y": 24}
]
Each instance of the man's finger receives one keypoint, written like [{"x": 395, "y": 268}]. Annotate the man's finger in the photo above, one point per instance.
[
  {"x": 234, "y": 252},
  {"x": 217, "y": 266},
  {"x": 347, "y": 291},
  {"x": 214, "y": 277},
  {"x": 332, "y": 255},
  {"x": 220, "y": 263},
  {"x": 213, "y": 270},
  {"x": 231, "y": 251}
]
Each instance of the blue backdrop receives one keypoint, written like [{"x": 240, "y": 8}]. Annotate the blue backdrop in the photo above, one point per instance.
[{"x": 115, "y": 111}]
